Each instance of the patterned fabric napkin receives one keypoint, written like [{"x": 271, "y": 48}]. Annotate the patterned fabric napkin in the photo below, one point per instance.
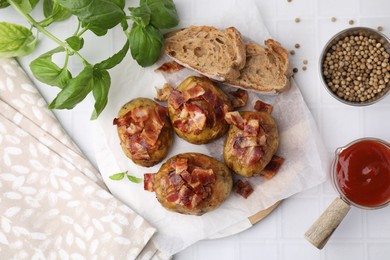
[{"x": 53, "y": 202}]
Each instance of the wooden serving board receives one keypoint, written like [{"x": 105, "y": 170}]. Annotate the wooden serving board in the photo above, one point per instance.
[{"x": 262, "y": 214}]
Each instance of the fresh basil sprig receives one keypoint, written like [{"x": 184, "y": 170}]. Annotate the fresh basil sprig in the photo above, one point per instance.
[
  {"x": 121, "y": 175},
  {"x": 144, "y": 40}
]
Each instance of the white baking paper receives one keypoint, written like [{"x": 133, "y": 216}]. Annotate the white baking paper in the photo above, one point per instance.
[{"x": 300, "y": 144}]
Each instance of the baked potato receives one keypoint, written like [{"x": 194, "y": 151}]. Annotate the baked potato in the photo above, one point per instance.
[
  {"x": 191, "y": 183},
  {"x": 251, "y": 142},
  {"x": 197, "y": 109},
  {"x": 145, "y": 131}
]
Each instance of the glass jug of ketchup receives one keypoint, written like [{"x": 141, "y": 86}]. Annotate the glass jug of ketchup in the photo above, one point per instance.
[{"x": 361, "y": 175}]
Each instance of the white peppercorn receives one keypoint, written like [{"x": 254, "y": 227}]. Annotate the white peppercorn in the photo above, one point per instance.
[{"x": 357, "y": 68}]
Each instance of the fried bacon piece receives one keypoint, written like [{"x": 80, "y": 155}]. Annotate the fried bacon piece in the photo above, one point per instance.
[
  {"x": 149, "y": 182},
  {"x": 169, "y": 67},
  {"x": 272, "y": 167},
  {"x": 185, "y": 184},
  {"x": 263, "y": 107},
  {"x": 239, "y": 98},
  {"x": 194, "y": 119},
  {"x": 163, "y": 93},
  {"x": 234, "y": 118},
  {"x": 243, "y": 188}
]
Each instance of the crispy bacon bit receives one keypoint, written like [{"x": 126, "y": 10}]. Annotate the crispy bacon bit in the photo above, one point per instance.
[
  {"x": 263, "y": 107},
  {"x": 193, "y": 92},
  {"x": 169, "y": 67},
  {"x": 194, "y": 119},
  {"x": 138, "y": 151},
  {"x": 180, "y": 165},
  {"x": 243, "y": 188},
  {"x": 173, "y": 196},
  {"x": 239, "y": 98},
  {"x": 254, "y": 154},
  {"x": 163, "y": 93},
  {"x": 176, "y": 99},
  {"x": 234, "y": 118},
  {"x": 185, "y": 195},
  {"x": 123, "y": 120},
  {"x": 210, "y": 97},
  {"x": 187, "y": 184},
  {"x": 251, "y": 127},
  {"x": 149, "y": 182},
  {"x": 133, "y": 129},
  {"x": 272, "y": 167},
  {"x": 204, "y": 176},
  {"x": 162, "y": 113}
]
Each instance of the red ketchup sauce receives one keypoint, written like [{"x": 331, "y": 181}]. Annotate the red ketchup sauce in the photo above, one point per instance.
[{"x": 363, "y": 173}]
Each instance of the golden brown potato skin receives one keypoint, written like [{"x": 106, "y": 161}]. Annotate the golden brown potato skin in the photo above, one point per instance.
[
  {"x": 241, "y": 165},
  {"x": 208, "y": 133},
  {"x": 220, "y": 189},
  {"x": 157, "y": 153}
]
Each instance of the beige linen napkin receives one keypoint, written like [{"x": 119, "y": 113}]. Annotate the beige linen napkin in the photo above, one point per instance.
[{"x": 53, "y": 202}]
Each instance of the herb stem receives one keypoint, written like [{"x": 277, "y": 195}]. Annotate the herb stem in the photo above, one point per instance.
[
  {"x": 44, "y": 31},
  {"x": 82, "y": 31}
]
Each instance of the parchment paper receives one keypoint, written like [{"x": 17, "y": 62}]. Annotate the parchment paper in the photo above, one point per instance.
[{"x": 300, "y": 144}]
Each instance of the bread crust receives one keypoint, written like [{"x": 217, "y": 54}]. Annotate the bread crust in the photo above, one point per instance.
[
  {"x": 227, "y": 44},
  {"x": 259, "y": 60}
]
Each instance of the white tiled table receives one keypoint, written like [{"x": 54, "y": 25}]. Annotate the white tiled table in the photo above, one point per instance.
[{"x": 363, "y": 234}]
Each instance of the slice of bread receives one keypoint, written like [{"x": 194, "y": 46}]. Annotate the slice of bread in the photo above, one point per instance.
[
  {"x": 267, "y": 69},
  {"x": 219, "y": 55}
]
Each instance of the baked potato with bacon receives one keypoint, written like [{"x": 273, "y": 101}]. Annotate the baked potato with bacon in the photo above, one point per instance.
[
  {"x": 251, "y": 142},
  {"x": 145, "y": 131},
  {"x": 190, "y": 183},
  {"x": 197, "y": 109}
]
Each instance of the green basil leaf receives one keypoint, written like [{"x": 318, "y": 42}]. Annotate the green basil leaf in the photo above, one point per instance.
[
  {"x": 15, "y": 40},
  {"x": 75, "y": 42},
  {"x": 53, "y": 13},
  {"x": 134, "y": 179},
  {"x": 95, "y": 29},
  {"x": 124, "y": 25},
  {"x": 46, "y": 71},
  {"x": 118, "y": 176},
  {"x": 26, "y": 5},
  {"x": 3, "y": 4},
  {"x": 76, "y": 90},
  {"x": 101, "y": 86},
  {"x": 120, "y": 3},
  {"x": 113, "y": 60},
  {"x": 103, "y": 14},
  {"x": 145, "y": 44},
  {"x": 163, "y": 13},
  {"x": 141, "y": 14}
]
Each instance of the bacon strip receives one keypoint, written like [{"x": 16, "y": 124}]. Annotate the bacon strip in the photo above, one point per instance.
[
  {"x": 149, "y": 182},
  {"x": 272, "y": 167},
  {"x": 243, "y": 188},
  {"x": 263, "y": 107},
  {"x": 176, "y": 99},
  {"x": 138, "y": 151},
  {"x": 169, "y": 67},
  {"x": 163, "y": 93},
  {"x": 234, "y": 118},
  {"x": 239, "y": 98},
  {"x": 193, "y": 119},
  {"x": 193, "y": 92}
]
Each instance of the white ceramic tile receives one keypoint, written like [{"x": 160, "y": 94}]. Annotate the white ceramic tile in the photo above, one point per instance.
[
  {"x": 374, "y": 8},
  {"x": 327, "y": 29},
  {"x": 335, "y": 8},
  {"x": 302, "y": 250},
  {"x": 342, "y": 124},
  {"x": 295, "y": 9},
  {"x": 295, "y": 222},
  {"x": 379, "y": 251},
  {"x": 374, "y": 22},
  {"x": 378, "y": 225},
  {"x": 374, "y": 116},
  {"x": 255, "y": 251},
  {"x": 345, "y": 251},
  {"x": 212, "y": 248},
  {"x": 307, "y": 80},
  {"x": 265, "y": 229}
]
